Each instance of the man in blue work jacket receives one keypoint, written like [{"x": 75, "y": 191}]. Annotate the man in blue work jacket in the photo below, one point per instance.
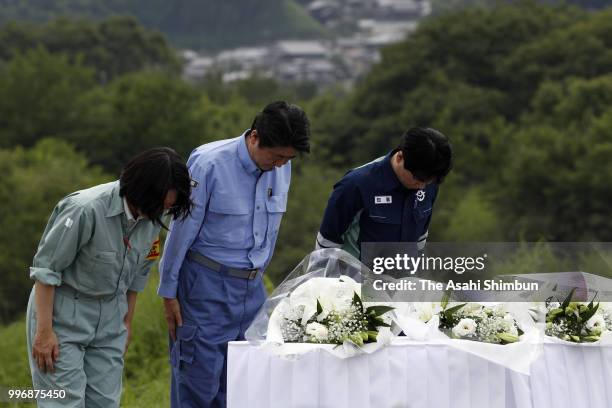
[
  {"x": 390, "y": 199},
  {"x": 211, "y": 270}
]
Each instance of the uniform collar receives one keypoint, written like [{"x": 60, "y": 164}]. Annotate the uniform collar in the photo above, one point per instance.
[
  {"x": 128, "y": 213},
  {"x": 389, "y": 180},
  {"x": 244, "y": 156},
  {"x": 115, "y": 206}
]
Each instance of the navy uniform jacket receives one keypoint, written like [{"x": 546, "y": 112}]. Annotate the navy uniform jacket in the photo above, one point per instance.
[{"x": 369, "y": 204}]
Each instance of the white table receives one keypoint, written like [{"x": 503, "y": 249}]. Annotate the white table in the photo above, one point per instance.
[{"x": 419, "y": 375}]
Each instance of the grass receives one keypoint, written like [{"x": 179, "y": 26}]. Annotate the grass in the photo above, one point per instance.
[
  {"x": 147, "y": 373},
  {"x": 146, "y": 381}
]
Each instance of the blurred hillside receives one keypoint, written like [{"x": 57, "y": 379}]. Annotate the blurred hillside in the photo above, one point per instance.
[
  {"x": 206, "y": 24},
  {"x": 444, "y": 6}
]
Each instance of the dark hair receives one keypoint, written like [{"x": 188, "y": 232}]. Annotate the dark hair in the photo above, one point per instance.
[
  {"x": 427, "y": 154},
  {"x": 281, "y": 124},
  {"x": 148, "y": 177}
]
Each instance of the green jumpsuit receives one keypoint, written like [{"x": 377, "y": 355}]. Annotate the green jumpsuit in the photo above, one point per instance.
[{"x": 93, "y": 252}]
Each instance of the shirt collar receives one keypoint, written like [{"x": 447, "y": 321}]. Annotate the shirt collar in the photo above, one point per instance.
[
  {"x": 244, "y": 156},
  {"x": 390, "y": 180},
  {"x": 115, "y": 206},
  {"x": 128, "y": 213}
]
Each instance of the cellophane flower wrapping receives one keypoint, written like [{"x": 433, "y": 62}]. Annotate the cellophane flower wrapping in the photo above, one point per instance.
[
  {"x": 420, "y": 321},
  {"x": 318, "y": 306}
]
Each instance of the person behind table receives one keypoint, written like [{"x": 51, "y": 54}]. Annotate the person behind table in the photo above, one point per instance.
[
  {"x": 390, "y": 199},
  {"x": 211, "y": 271}
]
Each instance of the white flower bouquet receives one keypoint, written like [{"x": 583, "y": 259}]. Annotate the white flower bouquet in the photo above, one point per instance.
[
  {"x": 476, "y": 328},
  {"x": 319, "y": 305},
  {"x": 488, "y": 323},
  {"x": 480, "y": 323},
  {"x": 329, "y": 311},
  {"x": 577, "y": 322}
]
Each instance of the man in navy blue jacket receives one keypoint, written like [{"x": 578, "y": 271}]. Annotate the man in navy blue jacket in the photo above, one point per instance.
[{"x": 389, "y": 199}]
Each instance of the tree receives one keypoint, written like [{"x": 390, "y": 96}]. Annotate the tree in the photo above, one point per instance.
[
  {"x": 311, "y": 185},
  {"x": 136, "y": 112},
  {"x": 523, "y": 91},
  {"x": 39, "y": 97},
  {"x": 207, "y": 24},
  {"x": 33, "y": 181},
  {"x": 112, "y": 47}
]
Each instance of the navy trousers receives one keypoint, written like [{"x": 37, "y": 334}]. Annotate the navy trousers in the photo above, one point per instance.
[{"x": 216, "y": 308}]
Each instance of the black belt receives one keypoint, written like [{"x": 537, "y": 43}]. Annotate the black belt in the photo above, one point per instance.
[{"x": 217, "y": 267}]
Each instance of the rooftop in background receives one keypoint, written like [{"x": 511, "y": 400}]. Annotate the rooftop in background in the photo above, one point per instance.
[{"x": 361, "y": 28}]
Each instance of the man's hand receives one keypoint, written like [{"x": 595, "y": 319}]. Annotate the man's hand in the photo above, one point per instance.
[
  {"x": 45, "y": 349},
  {"x": 172, "y": 311}
]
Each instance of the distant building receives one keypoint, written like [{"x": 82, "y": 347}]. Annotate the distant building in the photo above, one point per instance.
[
  {"x": 288, "y": 50},
  {"x": 400, "y": 9},
  {"x": 197, "y": 67},
  {"x": 369, "y": 24},
  {"x": 298, "y": 61},
  {"x": 246, "y": 56},
  {"x": 324, "y": 11}
]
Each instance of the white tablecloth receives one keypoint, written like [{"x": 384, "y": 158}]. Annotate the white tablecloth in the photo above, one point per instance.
[{"x": 419, "y": 375}]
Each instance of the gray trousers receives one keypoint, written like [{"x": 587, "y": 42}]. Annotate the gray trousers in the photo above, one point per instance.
[{"x": 91, "y": 336}]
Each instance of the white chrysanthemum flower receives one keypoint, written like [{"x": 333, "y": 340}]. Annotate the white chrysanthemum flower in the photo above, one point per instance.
[
  {"x": 465, "y": 327},
  {"x": 385, "y": 336},
  {"x": 470, "y": 308},
  {"x": 317, "y": 331},
  {"x": 426, "y": 310},
  {"x": 332, "y": 294},
  {"x": 509, "y": 318},
  {"x": 338, "y": 294},
  {"x": 554, "y": 305},
  {"x": 596, "y": 322}
]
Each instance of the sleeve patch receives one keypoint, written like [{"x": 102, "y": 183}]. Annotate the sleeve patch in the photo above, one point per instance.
[
  {"x": 155, "y": 251},
  {"x": 68, "y": 223}
]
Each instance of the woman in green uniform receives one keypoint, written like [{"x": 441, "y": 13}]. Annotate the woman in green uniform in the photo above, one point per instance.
[{"x": 93, "y": 258}]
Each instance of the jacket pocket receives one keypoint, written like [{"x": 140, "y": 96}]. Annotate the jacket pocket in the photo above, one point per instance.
[
  {"x": 98, "y": 269},
  {"x": 228, "y": 220},
  {"x": 276, "y": 206}
]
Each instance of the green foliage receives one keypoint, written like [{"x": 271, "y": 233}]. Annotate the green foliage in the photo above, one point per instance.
[
  {"x": 190, "y": 23},
  {"x": 147, "y": 371},
  {"x": 112, "y": 47},
  {"x": 538, "y": 257},
  {"x": 136, "y": 112},
  {"x": 311, "y": 185},
  {"x": 446, "y": 6},
  {"x": 14, "y": 369},
  {"x": 523, "y": 92},
  {"x": 32, "y": 182},
  {"x": 569, "y": 321},
  {"x": 472, "y": 218},
  {"x": 259, "y": 91},
  {"x": 39, "y": 97}
]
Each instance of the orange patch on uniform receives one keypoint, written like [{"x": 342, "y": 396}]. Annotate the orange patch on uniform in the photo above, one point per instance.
[{"x": 155, "y": 251}]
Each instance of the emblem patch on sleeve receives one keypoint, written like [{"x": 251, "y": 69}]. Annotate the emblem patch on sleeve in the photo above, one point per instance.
[{"x": 154, "y": 252}]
